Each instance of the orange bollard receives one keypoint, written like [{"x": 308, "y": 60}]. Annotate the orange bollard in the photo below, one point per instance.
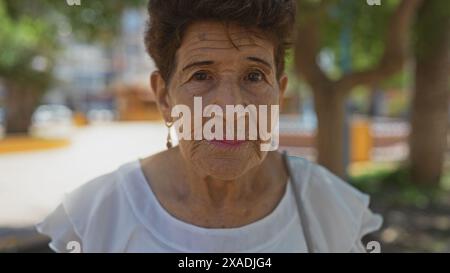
[{"x": 361, "y": 140}]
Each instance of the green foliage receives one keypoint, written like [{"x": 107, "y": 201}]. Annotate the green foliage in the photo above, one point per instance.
[
  {"x": 29, "y": 32},
  {"x": 368, "y": 26},
  {"x": 360, "y": 98},
  {"x": 394, "y": 186},
  {"x": 24, "y": 40},
  {"x": 93, "y": 19}
]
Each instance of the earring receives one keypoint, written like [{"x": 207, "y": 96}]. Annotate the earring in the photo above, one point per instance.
[{"x": 169, "y": 138}]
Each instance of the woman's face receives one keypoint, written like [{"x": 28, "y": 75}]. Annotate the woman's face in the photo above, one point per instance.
[{"x": 209, "y": 66}]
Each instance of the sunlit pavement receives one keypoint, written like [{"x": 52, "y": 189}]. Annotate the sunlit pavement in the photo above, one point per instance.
[{"x": 33, "y": 183}]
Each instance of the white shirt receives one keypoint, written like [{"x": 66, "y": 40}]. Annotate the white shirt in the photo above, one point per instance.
[{"x": 118, "y": 212}]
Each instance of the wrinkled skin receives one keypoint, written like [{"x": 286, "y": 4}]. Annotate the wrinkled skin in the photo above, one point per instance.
[{"x": 199, "y": 181}]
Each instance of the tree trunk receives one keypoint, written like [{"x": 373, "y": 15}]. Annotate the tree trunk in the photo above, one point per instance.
[
  {"x": 329, "y": 95},
  {"x": 20, "y": 105},
  {"x": 330, "y": 109},
  {"x": 429, "y": 119}
]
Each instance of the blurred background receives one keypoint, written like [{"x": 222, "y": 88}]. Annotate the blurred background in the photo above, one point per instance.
[{"x": 368, "y": 98}]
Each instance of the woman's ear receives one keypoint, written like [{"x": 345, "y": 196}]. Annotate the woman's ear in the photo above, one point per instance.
[
  {"x": 159, "y": 88},
  {"x": 282, "y": 83}
]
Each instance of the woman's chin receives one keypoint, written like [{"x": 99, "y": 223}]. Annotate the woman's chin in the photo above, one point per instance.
[{"x": 222, "y": 160}]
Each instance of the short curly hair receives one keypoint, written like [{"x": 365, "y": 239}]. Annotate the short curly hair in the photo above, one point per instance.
[{"x": 170, "y": 18}]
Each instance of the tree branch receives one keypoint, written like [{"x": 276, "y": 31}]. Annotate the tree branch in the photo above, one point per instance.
[
  {"x": 307, "y": 48},
  {"x": 396, "y": 50}
]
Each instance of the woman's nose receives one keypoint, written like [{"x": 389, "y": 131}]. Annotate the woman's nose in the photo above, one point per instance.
[{"x": 229, "y": 93}]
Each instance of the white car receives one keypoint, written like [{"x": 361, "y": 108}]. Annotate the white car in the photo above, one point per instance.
[
  {"x": 99, "y": 116},
  {"x": 52, "y": 121}
]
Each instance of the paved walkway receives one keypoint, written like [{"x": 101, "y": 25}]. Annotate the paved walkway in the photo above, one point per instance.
[{"x": 33, "y": 183}]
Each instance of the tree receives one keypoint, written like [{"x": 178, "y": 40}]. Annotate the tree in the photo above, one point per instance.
[
  {"x": 430, "y": 106},
  {"x": 25, "y": 56},
  {"x": 29, "y": 43},
  {"x": 331, "y": 90}
]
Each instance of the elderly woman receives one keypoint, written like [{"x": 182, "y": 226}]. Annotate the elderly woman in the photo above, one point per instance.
[{"x": 215, "y": 195}]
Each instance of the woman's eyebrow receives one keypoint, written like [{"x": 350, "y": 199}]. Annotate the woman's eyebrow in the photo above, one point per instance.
[
  {"x": 200, "y": 63},
  {"x": 203, "y": 63},
  {"x": 258, "y": 60}
]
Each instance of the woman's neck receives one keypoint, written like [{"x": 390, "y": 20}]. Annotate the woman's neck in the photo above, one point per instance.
[
  {"x": 222, "y": 194},
  {"x": 208, "y": 202}
]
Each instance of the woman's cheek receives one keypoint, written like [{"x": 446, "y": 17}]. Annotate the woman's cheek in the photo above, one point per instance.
[
  {"x": 262, "y": 94},
  {"x": 196, "y": 89}
]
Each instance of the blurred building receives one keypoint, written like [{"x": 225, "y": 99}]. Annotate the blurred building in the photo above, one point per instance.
[
  {"x": 95, "y": 77},
  {"x": 134, "y": 99},
  {"x": 85, "y": 72}
]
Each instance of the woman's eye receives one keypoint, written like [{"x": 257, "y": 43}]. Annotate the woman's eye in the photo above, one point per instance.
[
  {"x": 201, "y": 76},
  {"x": 255, "y": 76}
]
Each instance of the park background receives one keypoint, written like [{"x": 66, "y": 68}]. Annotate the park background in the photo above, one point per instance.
[{"x": 368, "y": 98}]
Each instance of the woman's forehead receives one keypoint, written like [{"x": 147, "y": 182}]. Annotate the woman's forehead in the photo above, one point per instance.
[
  {"x": 210, "y": 36},
  {"x": 212, "y": 30}
]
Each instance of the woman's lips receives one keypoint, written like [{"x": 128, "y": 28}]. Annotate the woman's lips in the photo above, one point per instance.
[{"x": 227, "y": 143}]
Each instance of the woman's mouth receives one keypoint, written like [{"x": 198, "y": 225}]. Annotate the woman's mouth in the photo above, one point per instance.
[{"x": 227, "y": 143}]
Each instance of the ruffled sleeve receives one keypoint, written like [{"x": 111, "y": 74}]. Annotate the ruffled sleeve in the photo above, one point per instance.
[
  {"x": 370, "y": 222},
  {"x": 338, "y": 215},
  {"x": 93, "y": 218},
  {"x": 58, "y": 226},
  {"x": 83, "y": 215}
]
